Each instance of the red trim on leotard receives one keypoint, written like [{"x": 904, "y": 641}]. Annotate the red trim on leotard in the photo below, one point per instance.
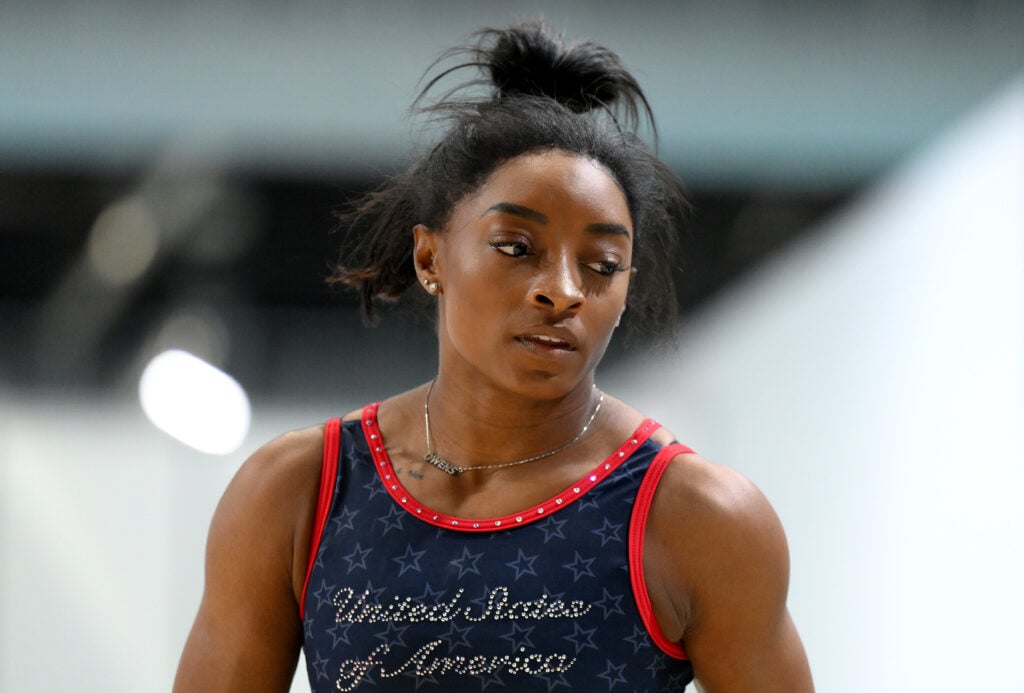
[
  {"x": 570, "y": 494},
  {"x": 328, "y": 474},
  {"x": 637, "y": 529}
]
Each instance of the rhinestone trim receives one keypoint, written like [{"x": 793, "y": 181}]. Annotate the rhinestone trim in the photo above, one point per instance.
[{"x": 571, "y": 494}]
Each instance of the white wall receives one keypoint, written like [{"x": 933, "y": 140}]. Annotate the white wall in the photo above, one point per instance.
[
  {"x": 870, "y": 381},
  {"x": 103, "y": 524}
]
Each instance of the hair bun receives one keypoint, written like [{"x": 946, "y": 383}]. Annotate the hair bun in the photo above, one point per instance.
[{"x": 531, "y": 59}]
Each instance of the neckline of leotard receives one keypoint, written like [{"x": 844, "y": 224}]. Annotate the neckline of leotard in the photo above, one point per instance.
[{"x": 569, "y": 495}]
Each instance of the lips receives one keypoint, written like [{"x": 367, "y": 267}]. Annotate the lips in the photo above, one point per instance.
[{"x": 543, "y": 341}]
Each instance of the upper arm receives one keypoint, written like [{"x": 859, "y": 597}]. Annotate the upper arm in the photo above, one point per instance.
[
  {"x": 247, "y": 633},
  {"x": 720, "y": 563}
]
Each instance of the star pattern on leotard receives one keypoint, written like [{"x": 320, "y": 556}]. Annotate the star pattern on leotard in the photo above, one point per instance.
[
  {"x": 410, "y": 560},
  {"x": 421, "y": 680},
  {"x": 344, "y": 520},
  {"x": 676, "y": 682},
  {"x": 571, "y": 560},
  {"x": 519, "y": 636},
  {"x": 581, "y": 637},
  {"x": 430, "y": 594},
  {"x": 609, "y": 603},
  {"x": 638, "y": 639},
  {"x": 458, "y": 636},
  {"x": 376, "y": 593},
  {"x": 580, "y": 567},
  {"x": 555, "y": 681},
  {"x": 373, "y": 487},
  {"x": 660, "y": 664},
  {"x": 324, "y": 594},
  {"x": 393, "y": 520},
  {"x": 357, "y": 558},
  {"x": 320, "y": 667},
  {"x": 466, "y": 563},
  {"x": 480, "y": 601},
  {"x": 587, "y": 503},
  {"x": 554, "y": 595},
  {"x": 613, "y": 674},
  {"x": 523, "y": 565},
  {"x": 609, "y": 532},
  {"x": 339, "y": 633},
  {"x": 553, "y": 528},
  {"x": 491, "y": 679},
  {"x": 393, "y": 634}
]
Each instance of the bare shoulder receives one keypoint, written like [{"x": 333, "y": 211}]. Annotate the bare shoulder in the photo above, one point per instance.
[
  {"x": 279, "y": 466},
  {"x": 708, "y": 510},
  {"x": 247, "y": 633},
  {"x": 278, "y": 484},
  {"x": 696, "y": 490},
  {"x": 717, "y": 563}
]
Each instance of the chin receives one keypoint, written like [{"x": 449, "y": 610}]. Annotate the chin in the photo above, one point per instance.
[{"x": 548, "y": 385}]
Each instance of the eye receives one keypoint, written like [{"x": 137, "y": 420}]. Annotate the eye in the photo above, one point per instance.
[
  {"x": 512, "y": 248},
  {"x": 606, "y": 268}
]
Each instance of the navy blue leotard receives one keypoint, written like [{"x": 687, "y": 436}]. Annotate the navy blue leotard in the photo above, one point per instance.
[{"x": 399, "y": 597}]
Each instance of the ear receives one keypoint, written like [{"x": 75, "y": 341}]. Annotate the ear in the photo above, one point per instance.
[{"x": 424, "y": 253}]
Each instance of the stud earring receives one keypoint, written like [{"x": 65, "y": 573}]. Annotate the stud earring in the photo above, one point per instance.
[{"x": 432, "y": 287}]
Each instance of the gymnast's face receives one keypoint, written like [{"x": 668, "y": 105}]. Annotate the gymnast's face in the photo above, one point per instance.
[{"x": 534, "y": 268}]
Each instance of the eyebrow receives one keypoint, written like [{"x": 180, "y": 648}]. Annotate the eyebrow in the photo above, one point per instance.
[
  {"x": 517, "y": 211},
  {"x": 541, "y": 218}
]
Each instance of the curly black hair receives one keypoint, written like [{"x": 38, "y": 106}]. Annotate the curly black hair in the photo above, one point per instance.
[{"x": 543, "y": 95}]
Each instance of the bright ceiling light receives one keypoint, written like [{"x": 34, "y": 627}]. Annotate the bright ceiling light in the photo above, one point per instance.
[{"x": 195, "y": 402}]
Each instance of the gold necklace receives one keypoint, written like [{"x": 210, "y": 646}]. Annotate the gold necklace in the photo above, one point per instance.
[{"x": 449, "y": 468}]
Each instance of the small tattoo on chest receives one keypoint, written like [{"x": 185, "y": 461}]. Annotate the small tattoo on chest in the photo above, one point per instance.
[{"x": 410, "y": 472}]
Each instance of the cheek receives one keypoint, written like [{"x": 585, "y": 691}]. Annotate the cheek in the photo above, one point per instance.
[
  {"x": 613, "y": 299},
  {"x": 467, "y": 281},
  {"x": 476, "y": 300}
]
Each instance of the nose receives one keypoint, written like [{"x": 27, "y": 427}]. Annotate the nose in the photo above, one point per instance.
[{"x": 558, "y": 289}]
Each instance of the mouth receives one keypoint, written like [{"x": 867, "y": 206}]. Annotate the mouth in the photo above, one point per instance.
[{"x": 543, "y": 343}]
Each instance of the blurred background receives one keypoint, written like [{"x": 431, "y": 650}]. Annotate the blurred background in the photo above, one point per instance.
[{"x": 852, "y": 297}]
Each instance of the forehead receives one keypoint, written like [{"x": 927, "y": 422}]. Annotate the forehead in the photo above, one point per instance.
[{"x": 555, "y": 183}]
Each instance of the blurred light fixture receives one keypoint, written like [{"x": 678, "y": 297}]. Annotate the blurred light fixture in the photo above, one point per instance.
[
  {"x": 123, "y": 241},
  {"x": 198, "y": 328},
  {"x": 195, "y": 402}
]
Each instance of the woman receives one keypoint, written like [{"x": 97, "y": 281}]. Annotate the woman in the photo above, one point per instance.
[{"x": 506, "y": 524}]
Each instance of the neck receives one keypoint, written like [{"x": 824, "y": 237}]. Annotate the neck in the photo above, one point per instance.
[{"x": 474, "y": 424}]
